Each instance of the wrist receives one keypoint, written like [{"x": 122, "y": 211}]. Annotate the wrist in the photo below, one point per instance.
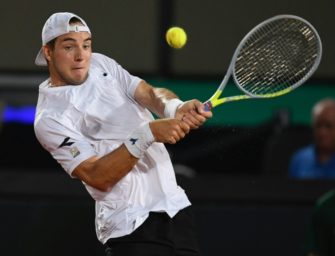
[
  {"x": 139, "y": 140},
  {"x": 171, "y": 107}
]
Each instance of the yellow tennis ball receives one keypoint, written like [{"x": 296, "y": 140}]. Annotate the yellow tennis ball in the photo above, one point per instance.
[{"x": 176, "y": 37}]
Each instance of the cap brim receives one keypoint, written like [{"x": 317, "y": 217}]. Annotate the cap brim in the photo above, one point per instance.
[{"x": 40, "y": 59}]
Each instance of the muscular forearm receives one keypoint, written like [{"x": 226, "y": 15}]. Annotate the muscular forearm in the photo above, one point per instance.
[
  {"x": 103, "y": 173},
  {"x": 162, "y": 96},
  {"x": 152, "y": 98}
]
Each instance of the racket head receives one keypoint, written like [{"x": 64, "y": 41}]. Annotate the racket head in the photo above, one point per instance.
[{"x": 276, "y": 56}]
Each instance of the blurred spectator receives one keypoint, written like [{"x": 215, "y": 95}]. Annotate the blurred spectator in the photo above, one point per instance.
[
  {"x": 317, "y": 161},
  {"x": 321, "y": 236}
]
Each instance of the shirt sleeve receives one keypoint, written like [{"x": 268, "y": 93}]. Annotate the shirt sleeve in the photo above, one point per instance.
[
  {"x": 128, "y": 82},
  {"x": 67, "y": 147}
]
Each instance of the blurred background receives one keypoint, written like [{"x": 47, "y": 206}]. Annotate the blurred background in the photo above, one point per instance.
[{"x": 235, "y": 168}]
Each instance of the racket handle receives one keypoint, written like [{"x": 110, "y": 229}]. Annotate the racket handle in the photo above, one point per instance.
[{"x": 208, "y": 106}]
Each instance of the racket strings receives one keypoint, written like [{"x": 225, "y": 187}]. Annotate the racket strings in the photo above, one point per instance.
[
  {"x": 273, "y": 72},
  {"x": 280, "y": 65},
  {"x": 277, "y": 56}
]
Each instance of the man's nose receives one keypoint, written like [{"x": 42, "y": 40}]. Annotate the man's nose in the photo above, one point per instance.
[{"x": 79, "y": 54}]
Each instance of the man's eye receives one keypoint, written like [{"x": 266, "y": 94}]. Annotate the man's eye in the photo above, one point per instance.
[{"x": 68, "y": 48}]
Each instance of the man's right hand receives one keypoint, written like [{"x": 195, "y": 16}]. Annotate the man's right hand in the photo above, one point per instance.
[{"x": 169, "y": 130}]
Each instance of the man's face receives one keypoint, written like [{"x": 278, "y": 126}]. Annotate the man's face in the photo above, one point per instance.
[
  {"x": 324, "y": 128},
  {"x": 69, "y": 60}
]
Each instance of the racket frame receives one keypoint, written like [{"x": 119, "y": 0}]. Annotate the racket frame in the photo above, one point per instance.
[{"x": 215, "y": 100}]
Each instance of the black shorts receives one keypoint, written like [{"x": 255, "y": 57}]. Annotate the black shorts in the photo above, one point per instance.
[{"x": 159, "y": 235}]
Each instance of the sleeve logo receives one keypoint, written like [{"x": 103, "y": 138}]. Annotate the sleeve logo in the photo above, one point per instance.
[{"x": 66, "y": 142}]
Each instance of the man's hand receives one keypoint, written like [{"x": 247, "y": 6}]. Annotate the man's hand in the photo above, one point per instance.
[
  {"x": 193, "y": 113},
  {"x": 169, "y": 130}
]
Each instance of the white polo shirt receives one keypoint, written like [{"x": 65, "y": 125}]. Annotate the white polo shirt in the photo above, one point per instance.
[{"x": 75, "y": 122}]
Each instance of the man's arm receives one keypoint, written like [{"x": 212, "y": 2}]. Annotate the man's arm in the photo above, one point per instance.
[
  {"x": 103, "y": 173},
  {"x": 152, "y": 98},
  {"x": 156, "y": 100}
]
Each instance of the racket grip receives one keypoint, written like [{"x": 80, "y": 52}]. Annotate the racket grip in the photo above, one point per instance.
[{"x": 208, "y": 106}]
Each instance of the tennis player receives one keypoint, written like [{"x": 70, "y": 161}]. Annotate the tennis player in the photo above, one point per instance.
[{"x": 95, "y": 119}]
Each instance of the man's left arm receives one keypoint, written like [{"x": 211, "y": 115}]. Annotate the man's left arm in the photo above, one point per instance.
[{"x": 166, "y": 104}]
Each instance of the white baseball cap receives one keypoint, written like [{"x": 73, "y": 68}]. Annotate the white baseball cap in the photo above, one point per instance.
[{"x": 58, "y": 24}]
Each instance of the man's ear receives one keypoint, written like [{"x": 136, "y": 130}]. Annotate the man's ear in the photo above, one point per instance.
[{"x": 47, "y": 51}]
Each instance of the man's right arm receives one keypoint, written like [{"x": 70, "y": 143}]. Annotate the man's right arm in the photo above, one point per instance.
[{"x": 103, "y": 173}]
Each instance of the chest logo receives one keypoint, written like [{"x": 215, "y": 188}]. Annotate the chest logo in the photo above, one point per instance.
[{"x": 133, "y": 141}]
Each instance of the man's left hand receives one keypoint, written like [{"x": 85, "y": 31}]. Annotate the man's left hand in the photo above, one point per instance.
[{"x": 193, "y": 113}]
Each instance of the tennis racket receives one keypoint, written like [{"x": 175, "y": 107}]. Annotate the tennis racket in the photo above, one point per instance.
[{"x": 273, "y": 59}]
